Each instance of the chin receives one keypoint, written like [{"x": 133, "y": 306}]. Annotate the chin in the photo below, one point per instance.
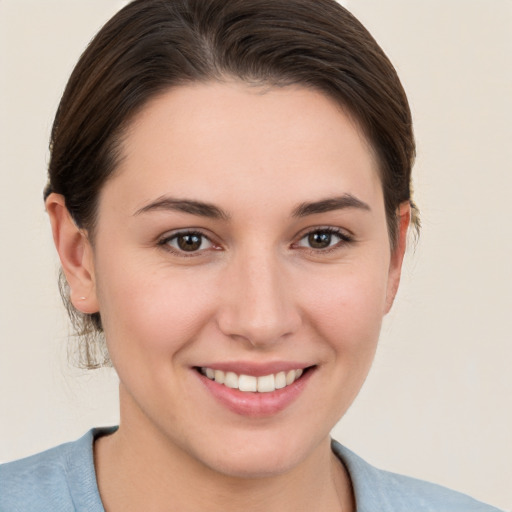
[
  {"x": 258, "y": 456},
  {"x": 255, "y": 463}
]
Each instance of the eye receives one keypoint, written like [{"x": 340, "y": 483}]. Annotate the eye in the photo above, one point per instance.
[
  {"x": 325, "y": 238},
  {"x": 187, "y": 241}
]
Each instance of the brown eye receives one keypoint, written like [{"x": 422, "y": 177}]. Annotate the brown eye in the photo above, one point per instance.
[
  {"x": 324, "y": 239},
  {"x": 319, "y": 240},
  {"x": 188, "y": 242}
]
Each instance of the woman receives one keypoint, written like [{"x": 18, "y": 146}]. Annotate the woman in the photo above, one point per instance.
[{"x": 229, "y": 192}]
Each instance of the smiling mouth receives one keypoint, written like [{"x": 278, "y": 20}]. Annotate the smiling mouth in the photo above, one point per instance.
[{"x": 251, "y": 383}]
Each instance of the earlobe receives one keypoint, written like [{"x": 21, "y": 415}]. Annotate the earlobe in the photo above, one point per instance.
[
  {"x": 75, "y": 253},
  {"x": 397, "y": 255}
]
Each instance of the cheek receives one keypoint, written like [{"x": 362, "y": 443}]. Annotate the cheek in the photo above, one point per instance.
[
  {"x": 154, "y": 312},
  {"x": 347, "y": 307}
]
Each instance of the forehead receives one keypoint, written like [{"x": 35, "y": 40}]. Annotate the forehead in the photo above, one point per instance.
[{"x": 217, "y": 141}]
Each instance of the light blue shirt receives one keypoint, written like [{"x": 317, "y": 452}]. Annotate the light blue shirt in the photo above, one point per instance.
[{"x": 63, "y": 479}]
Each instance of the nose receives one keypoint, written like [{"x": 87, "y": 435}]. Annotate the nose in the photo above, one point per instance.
[{"x": 258, "y": 303}]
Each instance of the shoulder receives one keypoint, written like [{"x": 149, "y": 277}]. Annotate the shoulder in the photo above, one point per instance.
[
  {"x": 60, "y": 479},
  {"x": 375, "y": 489}
]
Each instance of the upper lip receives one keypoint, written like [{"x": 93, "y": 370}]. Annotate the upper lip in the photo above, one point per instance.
[{"x": 255, "y": 369}]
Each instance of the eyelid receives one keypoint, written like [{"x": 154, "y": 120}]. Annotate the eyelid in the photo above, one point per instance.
[
  {"x": 163, "y": 241},
  {"x": 345, "y": 238}
]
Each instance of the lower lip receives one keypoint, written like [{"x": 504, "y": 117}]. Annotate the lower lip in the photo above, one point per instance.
[{"x": 256, "y": 404}]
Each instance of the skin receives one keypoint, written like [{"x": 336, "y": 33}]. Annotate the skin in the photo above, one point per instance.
[{"x": 255, "y": 291}]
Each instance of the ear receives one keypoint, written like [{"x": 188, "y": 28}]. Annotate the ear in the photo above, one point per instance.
[
  {"x": 76, "y": 255},
  {"x": 397, "y": 255}
]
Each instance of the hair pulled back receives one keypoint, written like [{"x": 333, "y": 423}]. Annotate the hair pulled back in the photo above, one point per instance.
[{"x": 152, "y": 45}]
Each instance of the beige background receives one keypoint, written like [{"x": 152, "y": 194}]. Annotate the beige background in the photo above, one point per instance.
[{"x": 438, "y": 404}]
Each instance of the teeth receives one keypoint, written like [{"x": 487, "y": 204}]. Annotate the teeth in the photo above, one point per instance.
[
  {"x": 280, "y": 380},
  {"x": 219, "y": 376},
  {"x": 249, "y": 383},
  {"x": 266, "y": 384},
  {"x": 290, "y": 377},
  {"x": 231, "y": 380}
]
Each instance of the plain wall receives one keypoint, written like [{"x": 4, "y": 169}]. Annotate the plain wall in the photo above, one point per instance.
[{"x": 437, "y": 404}]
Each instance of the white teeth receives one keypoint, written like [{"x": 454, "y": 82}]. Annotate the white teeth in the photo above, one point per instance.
[
  {"x": 280, "y": 381},
  {"x": 231, "y": 380},
  {"x": 219, "y": 376},
  {"x": 266, "y": 384},
  {"x": 249, "y": 383}
]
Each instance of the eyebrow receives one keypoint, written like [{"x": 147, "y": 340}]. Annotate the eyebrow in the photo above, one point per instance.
[
  {"x": 329, "y": 205},
  {"x": 186, "y": 206},
  {"x": 211, "y": 211}
]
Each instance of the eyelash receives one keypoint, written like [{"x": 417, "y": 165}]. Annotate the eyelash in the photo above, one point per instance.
[
  {"x": 165, "y": 243},
  {"x": 345, "y": 239}
]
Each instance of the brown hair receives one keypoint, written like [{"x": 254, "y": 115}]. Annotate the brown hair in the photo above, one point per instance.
[{"x": 152, "y": 45}]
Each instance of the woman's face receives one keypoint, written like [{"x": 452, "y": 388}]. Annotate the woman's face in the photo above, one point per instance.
[{"x": 242, "y": 238}]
